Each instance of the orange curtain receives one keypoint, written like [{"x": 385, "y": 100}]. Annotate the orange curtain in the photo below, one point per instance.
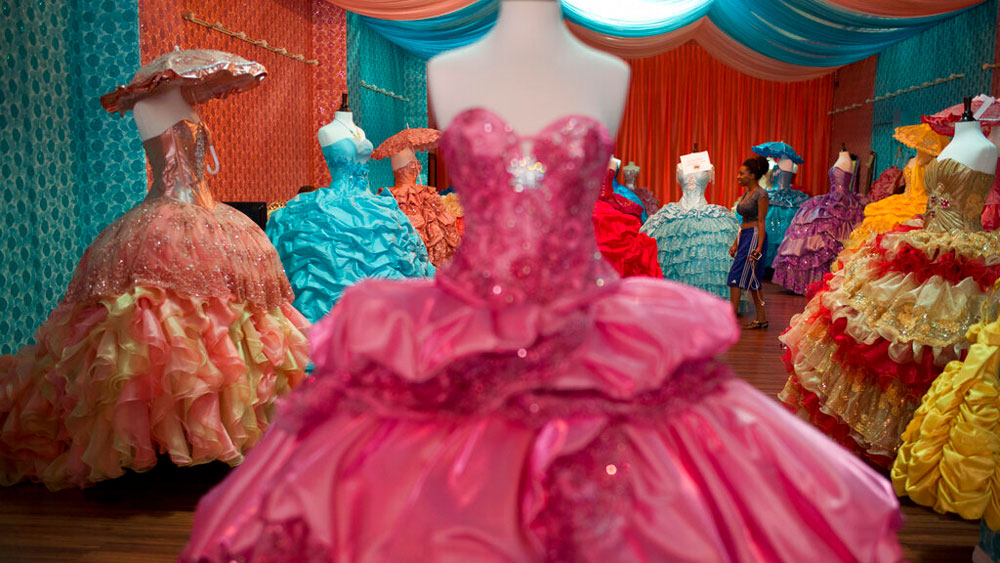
[{"x": 686, "y": 96}]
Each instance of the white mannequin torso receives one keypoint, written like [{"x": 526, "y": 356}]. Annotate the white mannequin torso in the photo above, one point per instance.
[
  {"x": 844, "y": 162},
  {"x": 342, "y": 127},
  {"x": 614, "y": 163},
  {"x": 971, "y": 148},
  {"x": 159, "y": 112},
  {"x": 786, "y": 164},
  {"x": 507, "y": 69}
]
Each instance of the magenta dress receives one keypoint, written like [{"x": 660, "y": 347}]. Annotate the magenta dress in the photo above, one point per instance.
[{"x": 528, "y": 404}]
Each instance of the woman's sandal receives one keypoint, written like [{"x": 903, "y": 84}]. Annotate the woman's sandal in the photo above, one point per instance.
[{"x": 754, "y": 325}]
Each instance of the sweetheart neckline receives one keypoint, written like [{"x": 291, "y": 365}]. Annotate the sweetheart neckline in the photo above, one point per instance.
[{"x": 551, "y": 125}]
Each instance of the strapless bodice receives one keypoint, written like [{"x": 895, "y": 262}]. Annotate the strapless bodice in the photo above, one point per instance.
[{"x": 348, "y": 164}]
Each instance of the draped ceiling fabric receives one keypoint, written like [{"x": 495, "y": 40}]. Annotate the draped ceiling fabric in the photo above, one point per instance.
[{"x": 784, "y": 40}]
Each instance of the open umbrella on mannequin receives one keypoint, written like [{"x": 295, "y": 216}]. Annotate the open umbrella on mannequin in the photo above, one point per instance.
[
  {"x": 414, "y": 139},
  {"x": 202, "y": 74},
  {"x": 921, "y": 137},
  {"x": 778, "y": 150},
  {"x": 943, "y": 122}
]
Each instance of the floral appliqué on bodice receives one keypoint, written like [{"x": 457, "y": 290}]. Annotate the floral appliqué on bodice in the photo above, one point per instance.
[
  {"x": 528, "y": 202},
  {"x": 955, "y": 196}
]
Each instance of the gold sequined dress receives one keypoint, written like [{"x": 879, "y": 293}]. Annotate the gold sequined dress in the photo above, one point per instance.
[{"x": 872, "y": 340}]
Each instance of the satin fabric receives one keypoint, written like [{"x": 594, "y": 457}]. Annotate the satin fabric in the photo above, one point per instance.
[
  {"x": 948, "y": 458},
  {"x": 546, "y": 410},
  {"x": 331, "y": 238},
  {"x": 629, "y": 251}
]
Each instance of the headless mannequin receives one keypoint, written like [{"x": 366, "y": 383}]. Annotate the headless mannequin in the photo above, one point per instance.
[
  {"x": 342, "y": 127},
  {"x": 159, "y": 112},
  {"x": 507, "y": 69},
  {"x": 786, "y": 164},
  {"x": 971, "y": 148},
  {"x": 691, "y": 196},
  {"x": 402, "y": 158},
  {"x": 631, "y": 174},
  {"x": 614, "y": 163},
  {"x": 844, "y": 161}
]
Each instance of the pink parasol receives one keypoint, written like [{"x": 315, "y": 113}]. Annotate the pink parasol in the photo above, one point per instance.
[
  {"x": 418, "y": 139},
  {"x": 202, "y": 74},
  {"x": 943, "y": 122}
]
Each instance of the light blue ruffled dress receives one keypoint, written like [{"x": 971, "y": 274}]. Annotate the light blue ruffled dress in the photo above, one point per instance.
[
  {"x": 784, "y": 203},
  {"x": 693, "y": 236},
  {"x": 331, "y": 238}
]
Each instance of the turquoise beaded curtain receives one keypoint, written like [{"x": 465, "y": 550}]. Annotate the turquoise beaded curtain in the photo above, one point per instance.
[
  {"x": 959, "y": 45},
  {"x": 67, "y": 167},
  {"x": 376, "y": 61}
]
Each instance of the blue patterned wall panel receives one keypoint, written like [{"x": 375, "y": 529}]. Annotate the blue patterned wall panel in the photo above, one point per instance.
[{"x": 959, "y": 45}]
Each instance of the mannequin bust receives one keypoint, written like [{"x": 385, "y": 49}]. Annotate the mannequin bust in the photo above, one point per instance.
[
  {"x": 844, "y": 161},
  {"x": 342, "y": 127},
  {"x": 630, "y": 174},
  {"x": 496, "y": 72},
  {"x": 786, "y": 164},
  {"x": 614, "y": 163},
  {"x": 969, "y": 146},
  {"x": 157, "y": 113},
  {"x": 402, "y": 158}
]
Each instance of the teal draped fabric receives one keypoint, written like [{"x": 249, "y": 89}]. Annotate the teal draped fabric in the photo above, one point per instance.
[
  {"x": 426, "y": 38},
  {"x": 67, "y": 167},
  {"x": 801, "y": 32},
  {"x": 374, "y": 60},
  {"x": 959, "y": 45}
]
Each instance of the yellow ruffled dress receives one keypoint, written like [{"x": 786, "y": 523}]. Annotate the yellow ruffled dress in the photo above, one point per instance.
[{"x": 949, "y": 456}]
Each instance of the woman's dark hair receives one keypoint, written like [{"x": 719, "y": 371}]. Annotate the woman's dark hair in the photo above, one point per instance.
[{"x": 757, "y": 165}]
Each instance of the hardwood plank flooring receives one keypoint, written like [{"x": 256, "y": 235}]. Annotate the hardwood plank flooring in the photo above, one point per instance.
[{"x": 147, "y": 517}]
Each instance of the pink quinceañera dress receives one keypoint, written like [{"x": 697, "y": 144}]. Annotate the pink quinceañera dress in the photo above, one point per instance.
[{"x": 528, "y": 404}]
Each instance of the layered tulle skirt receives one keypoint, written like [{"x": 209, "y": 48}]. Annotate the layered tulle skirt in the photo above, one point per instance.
[
  {"x": 629, "y": 251},
  {"x": 593, "y": 428},
  {"x": 814, "y": 239},
  {"x": 175, "y": 337},
  {"x": 328, "y": 241},
  {"x": 878, "y": 332},
  {"x": 693, "y": 245}
]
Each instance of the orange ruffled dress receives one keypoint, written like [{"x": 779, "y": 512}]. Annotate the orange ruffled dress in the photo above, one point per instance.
[
  {"x": 438, "y": 227},
  {"x": 175, "y": 336}
]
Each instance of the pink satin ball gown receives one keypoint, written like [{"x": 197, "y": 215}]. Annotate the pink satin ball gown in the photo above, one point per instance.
[{"x": 528, "y": 404}]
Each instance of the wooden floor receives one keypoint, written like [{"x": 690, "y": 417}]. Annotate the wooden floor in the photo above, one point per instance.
[{"x": 147, "y": 517}]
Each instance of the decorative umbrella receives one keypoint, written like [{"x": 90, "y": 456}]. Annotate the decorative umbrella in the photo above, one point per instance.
[
  {"x": 415, "y": 139},
  {"x": 778, "y": 150},
  {"x": 202, "y": 74},
  {"x": 943, "y": 122},
  {"x": 922, "y": 138}
]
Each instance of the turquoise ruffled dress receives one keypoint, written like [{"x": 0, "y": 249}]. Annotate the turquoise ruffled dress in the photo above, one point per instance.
[
  {"x": 693, "y": 236},
  {"x": 784, "y": 203},
  {"x": 332, "y": 238}
]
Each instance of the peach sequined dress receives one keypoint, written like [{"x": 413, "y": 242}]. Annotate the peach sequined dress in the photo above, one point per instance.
[{"x": 175, "y": 336}]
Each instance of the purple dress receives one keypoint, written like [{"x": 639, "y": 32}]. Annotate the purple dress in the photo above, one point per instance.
[{"x": 815, "y": 236}]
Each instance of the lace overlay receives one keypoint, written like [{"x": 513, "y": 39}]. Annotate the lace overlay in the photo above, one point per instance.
[
  {"x": 956, "y": 195},
  {"x": 179, "y": 238},
  {"x": 540, "y": 243},
  {"x": 693, "y": 187}
]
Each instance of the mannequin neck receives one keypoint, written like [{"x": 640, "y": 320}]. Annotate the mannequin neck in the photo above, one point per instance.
[
  {"x": 844, "y": 162},
  {"x": 541, "y": 20},
  {"x": 971, "y": 148},
  {"x": 402, "y": 158},
  {"x": 159, "y": 112},
  {"x": 345, "y": 118},
  {"x": 786, "y": 164}
]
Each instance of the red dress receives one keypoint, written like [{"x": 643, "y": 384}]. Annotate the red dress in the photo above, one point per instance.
[{"x": 616, "y": 224}]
